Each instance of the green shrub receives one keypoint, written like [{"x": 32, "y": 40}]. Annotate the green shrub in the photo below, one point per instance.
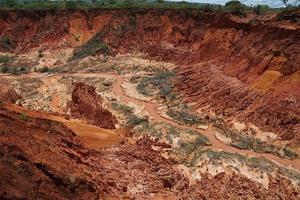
[
  {"x": 6, "y": 43},
  {"x": 91, "y": 48},
  {"x": 160, "y": 80},
  {"x": 135, "y": 120},
  {"x": 184, "y": 117},
  {"x": 261, "y": 9},
  {"x": 43, "y": 69},
  {"x": 4, "y": 69},
  {"x": 71, "y": 5},
  {"x": 123, "y": 108},
  {"x": 4, "y": 59},
  {"x": 23, "y": 117},
  {"x": 289, "y": 153},
  {"x": 235, "y": 7}
]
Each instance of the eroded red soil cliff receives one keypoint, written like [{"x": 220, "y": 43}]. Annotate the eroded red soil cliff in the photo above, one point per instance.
[{"x": 87, "y": 104}]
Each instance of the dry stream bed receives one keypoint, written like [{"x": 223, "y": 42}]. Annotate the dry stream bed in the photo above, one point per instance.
[{"x": 196, "y": 146}]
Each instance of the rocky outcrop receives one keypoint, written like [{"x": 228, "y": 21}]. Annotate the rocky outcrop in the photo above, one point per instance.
[{"x": 87, "y": 104}]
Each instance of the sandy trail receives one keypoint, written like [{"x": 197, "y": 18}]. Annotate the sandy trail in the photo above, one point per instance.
[{"x": 151, "y": 107}]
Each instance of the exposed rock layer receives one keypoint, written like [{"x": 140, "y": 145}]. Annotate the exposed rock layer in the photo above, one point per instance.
[{"x": 87, "y": 104}]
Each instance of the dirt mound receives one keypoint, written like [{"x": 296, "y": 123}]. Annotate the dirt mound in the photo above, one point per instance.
[
  {"x": 8, "y": 95},
  {"x": 87, "y": 104}
]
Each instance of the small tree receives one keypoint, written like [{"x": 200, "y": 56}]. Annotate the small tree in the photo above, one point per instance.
[
  {"x": 6, "y": 43},
  {"x": 4, "y": 69},
  {"x": 286, "y": 3},
  {"x": 235, "y": 7},
  {"x": 71, "y": 5}
]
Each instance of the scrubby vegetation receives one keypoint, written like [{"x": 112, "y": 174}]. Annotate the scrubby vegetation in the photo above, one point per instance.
[
  {"x": 23, "y": 117},
  {"x": 123, "y": 108},
  {"x": 161, "y": 81},
  {"x": 91, "y": 48},
  {"x": 257, "y": 163},
  {"x": 43, "y": 69},
  {"x": 184, "y": 141},
  {"x": 4, "y": 59},
  {"x": 243, "y": 141},
  {"x": 184, "y": 116},
  {"x": 232, "y": 6},
  {"x": 13, "y": 70},
  {"x": 128, "y": 112},
  {"x": 134, "y": 120},
  {"x": 6, "y": 43},
  {"x": 235, "y": 7}
]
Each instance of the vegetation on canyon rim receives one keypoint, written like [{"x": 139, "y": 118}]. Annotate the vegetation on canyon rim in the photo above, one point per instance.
[{"x": 233, "y": 6}]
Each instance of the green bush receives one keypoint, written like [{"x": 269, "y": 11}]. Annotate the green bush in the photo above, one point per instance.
[
  {"x": 235, "y": 7},
  {"x": 123, "y": 108},
  {"x": 161, "y": 80},
  {"x": 135, "y": 120},
  {"x": 17, "y": 70},
  {"x": 71, "y": 5},
  {"x": 184, "y": 117},
  {"x": 91, "y": 48},
  {"x": 23, "y": 117},
  {"x": 6, "y": 43},
  {"x": 4, "y": 58},
  {"x": 43, "y": 70},
  {"x": 261, "y": 9},
  {"x": 289, "y": 153},
  {"x": 4, "y": 69}
]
